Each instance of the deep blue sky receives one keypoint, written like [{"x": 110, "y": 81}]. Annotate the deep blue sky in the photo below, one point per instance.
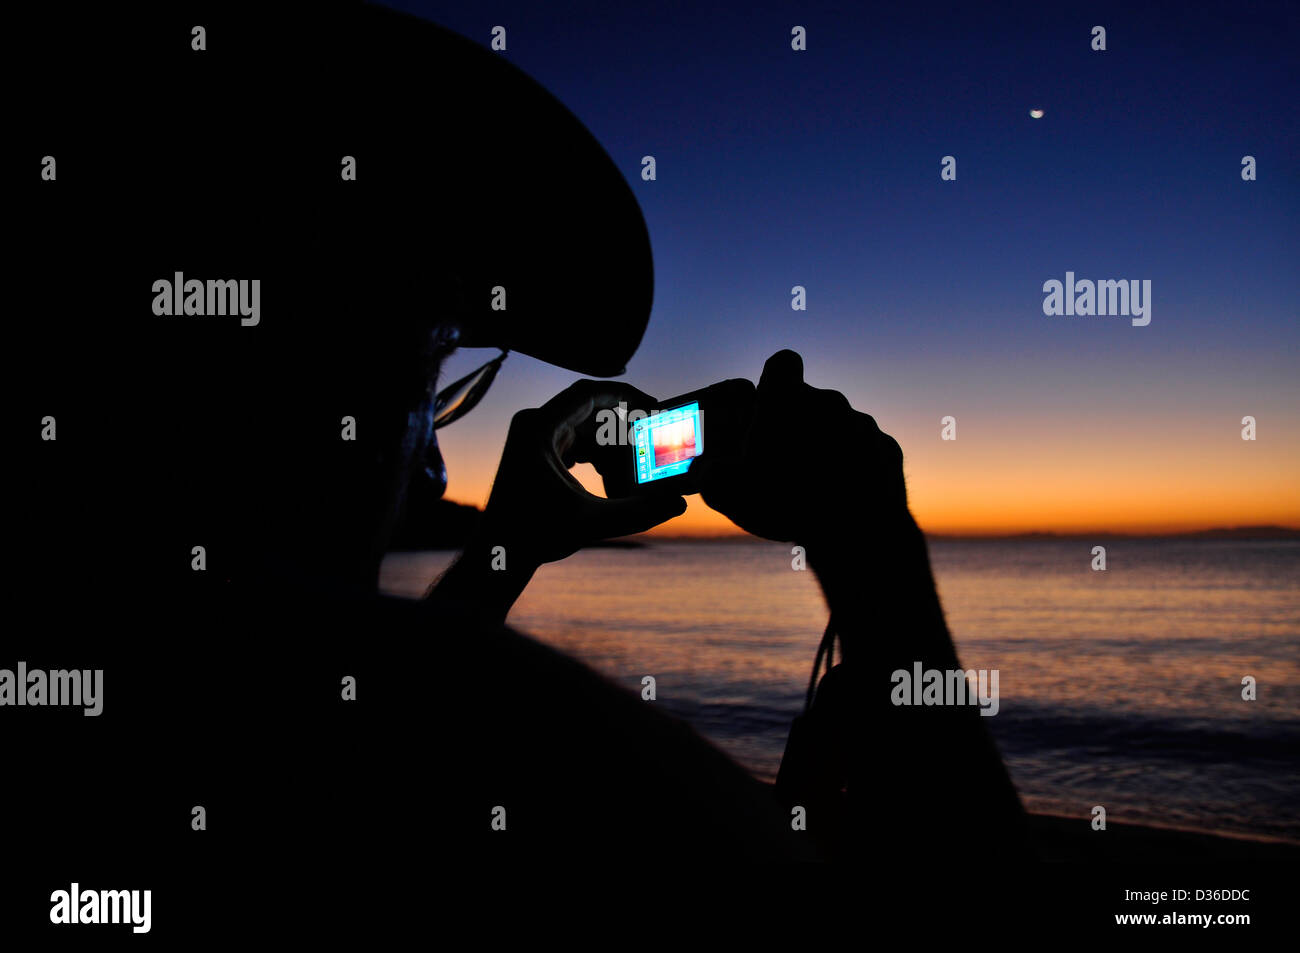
[{"x": 821, "y": 168}]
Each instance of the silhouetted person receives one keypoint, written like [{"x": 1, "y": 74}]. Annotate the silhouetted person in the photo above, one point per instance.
[{"x": 203, "y": 532}]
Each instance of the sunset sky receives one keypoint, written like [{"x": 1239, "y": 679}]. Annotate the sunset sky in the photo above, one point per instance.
[{"x": 821, "y": 168}]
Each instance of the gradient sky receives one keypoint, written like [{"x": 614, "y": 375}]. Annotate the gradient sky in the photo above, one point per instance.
[{"x": 821, "y": 168}]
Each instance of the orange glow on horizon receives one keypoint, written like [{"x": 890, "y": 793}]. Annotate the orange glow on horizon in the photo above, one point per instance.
[
  {"x": 1122, "y": 475},
  {"x": 699, "y": 520},
  {"x": 986, "y": 503}
]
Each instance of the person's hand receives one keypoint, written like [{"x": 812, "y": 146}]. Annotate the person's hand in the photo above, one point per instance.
[
  {"x": 537, "y": 510},
  {"x": 812, "y": 469}
]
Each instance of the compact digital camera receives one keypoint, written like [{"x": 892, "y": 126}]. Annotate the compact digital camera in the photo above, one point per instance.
[{"x": 666, "y": 445}]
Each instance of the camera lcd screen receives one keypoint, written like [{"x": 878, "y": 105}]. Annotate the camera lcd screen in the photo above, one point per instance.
[{"x": 667, "y": 442}]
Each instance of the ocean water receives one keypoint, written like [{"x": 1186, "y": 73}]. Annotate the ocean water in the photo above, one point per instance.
[{"x": 1120, "y": 688}]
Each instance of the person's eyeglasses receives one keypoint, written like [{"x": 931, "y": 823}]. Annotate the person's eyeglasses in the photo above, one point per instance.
[{"x": 456, "y": 400}]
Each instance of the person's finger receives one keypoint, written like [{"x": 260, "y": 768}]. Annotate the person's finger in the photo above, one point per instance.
[
  {"x": 615, "y": 464},
  {"x": 603, "y": 440},
  {"x": 609, "y": 394},
  {"x": 572, "y": 414},
  {"x": 562, "y": 440},
  {"x": 568, "y": 404},
  {"x": 560, "y": 404},
  {"x": 830, "y": 402},
  {"x": 611, "y": 518},
  {"x": 570, "y": 407},
  {"x": 782, "y": 372}
]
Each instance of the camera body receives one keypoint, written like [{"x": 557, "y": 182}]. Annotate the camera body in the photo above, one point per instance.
[{"x": 666, "y": 445}]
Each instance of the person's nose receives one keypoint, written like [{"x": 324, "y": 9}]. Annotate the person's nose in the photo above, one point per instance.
[{"x": 435, "y": 470}]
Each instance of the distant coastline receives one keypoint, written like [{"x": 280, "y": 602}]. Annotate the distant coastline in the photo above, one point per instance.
[
  {"x": 442, "y": 524},
  {"x": 1268, "y": 532},
  {"x": 1227, "y": 532}
]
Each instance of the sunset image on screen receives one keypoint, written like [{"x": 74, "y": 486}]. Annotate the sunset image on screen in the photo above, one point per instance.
[{"x": 674, "y": 442}]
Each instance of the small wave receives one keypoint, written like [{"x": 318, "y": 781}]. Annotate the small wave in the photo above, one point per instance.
[{"x": 1031, "y": 729}]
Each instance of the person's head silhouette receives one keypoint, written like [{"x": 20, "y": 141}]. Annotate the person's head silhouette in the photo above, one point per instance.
[{"x": 405, "y": 193}]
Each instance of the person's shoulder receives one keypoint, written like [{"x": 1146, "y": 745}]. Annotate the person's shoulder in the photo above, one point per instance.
[
  {"x": 578, "y": 759},
  {"x": 462, "y": 638}
]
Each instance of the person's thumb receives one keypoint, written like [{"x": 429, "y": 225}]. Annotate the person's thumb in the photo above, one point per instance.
[{"x": 633, "y": 514}]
